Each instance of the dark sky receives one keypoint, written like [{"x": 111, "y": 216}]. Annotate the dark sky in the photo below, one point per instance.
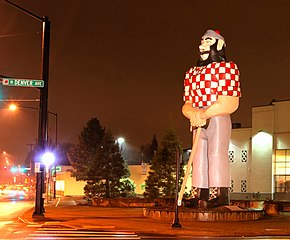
[{"x": 123, "y": 62}]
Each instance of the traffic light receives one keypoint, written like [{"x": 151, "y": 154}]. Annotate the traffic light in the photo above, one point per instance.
[
  {"x": 14, "y": 169},
  {"x": 18, "y": 169}
]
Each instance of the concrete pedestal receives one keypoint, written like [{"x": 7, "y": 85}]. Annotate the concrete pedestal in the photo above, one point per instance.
[{"x": 225, "y": 213}]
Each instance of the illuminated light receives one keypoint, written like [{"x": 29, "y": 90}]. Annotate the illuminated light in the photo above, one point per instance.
[
  {"x": 262, "y": 139},
  {"x": 120, "y": 140},
  {"x": 48, "y": 159},
  {"x": 12, "y": 107},
  {"x": 14, "y": 169},
  {"x": 22, "y": 169}
]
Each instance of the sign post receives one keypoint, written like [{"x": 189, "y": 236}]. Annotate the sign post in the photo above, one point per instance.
[{"x": 22, "y": 82}]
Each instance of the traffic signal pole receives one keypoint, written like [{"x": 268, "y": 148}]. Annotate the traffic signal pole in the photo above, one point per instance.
[{"x": 43, "y": 108}]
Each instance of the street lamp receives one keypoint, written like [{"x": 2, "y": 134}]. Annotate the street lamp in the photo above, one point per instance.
[
  {"x": 48, "y": 160},
  {"x": 13, "y": 107},
  {"x": 120, "y": 142},
  {"x": 43, "y": 104}
]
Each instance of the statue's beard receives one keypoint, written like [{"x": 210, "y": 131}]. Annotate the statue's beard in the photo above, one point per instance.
[{"x": 214, "y": 56}]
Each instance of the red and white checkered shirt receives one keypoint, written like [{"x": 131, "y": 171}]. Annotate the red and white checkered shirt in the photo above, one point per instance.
[{"x": 202, "y": 85}]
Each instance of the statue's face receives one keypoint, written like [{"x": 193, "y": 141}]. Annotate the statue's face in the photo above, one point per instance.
[{"x": 204, "y": 47}]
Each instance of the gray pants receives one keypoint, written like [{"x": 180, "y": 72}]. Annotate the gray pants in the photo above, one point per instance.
[{"x": 211, "y": 166}]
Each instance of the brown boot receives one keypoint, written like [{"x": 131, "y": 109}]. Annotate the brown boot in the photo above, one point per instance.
[
  {"x": 199, "y": 196},
  {"x": 219, "y": 196}
]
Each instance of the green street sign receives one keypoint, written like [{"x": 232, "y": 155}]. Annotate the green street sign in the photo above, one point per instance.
[
  {"x": 55, "y": 169},
  {"x": 22, "y": 82}
]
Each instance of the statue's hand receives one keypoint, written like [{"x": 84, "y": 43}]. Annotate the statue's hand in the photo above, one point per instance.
[{"x": 196, "y": 119}]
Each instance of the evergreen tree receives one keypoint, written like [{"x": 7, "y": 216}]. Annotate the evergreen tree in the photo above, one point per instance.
[
  {"x": 148, "y": 151},
  {"x": 162, "y": 175},
  {"x": 62, "y": 153},
  {"x": 154, "y": 145},
  {"x": 97, "y": 160}
]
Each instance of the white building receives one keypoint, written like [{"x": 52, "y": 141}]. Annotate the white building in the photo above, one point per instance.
[{"x": 260, "y": 156}]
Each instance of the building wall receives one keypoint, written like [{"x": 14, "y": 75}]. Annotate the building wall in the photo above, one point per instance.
[
  {"x": 240, "y": 158},
  {"x": 270, "y": 132},
  {"x": 139, "y": 174},
  {"x": 282, "y": 125},
  {"x": 68, "y": 185},
  {"x": 282, "y": 117},
  {"x": 263, "y": 123}
]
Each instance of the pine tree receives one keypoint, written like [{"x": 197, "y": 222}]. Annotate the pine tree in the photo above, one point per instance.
[
  {"x": 97, "y": 160},
  {"x": 61, "y": 153},
  {"x": 162, "y": 175},
  {"x": 148, "y": 151},
  {"x": 154, "y": 145}
]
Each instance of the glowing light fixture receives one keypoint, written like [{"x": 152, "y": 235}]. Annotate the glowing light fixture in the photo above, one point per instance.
[
  {"x": 48, "y": 159},
  {"x": 120, "y": 140},
  {"x": 12, "y": 107}
]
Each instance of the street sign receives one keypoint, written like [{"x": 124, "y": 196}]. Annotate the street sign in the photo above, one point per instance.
[
  {"x": 22, "y": 82},
  {"x": 55, "y": 169},
  {"x": 37, "y": 167}
]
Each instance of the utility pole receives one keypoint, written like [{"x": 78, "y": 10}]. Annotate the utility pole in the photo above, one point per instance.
[
  {"x": 43, "y": 107},
  {"x": 43, "y": 117}
]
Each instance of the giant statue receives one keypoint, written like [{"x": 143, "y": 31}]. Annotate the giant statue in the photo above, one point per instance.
[{"x": 211, "y": 94}]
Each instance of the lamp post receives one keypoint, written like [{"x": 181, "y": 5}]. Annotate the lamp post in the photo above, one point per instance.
[
  {"x": 43, "y": 112},
  {"x": 48, "y": 159},
  {"x": 13, "y": 107},
  {"x": 176, "y": 223},
  {"x": 121, "y": 142},
  {"x": 56, "y": 142}
]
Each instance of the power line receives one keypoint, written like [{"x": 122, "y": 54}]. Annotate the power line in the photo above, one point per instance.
[{"x": 17, "y": 34}]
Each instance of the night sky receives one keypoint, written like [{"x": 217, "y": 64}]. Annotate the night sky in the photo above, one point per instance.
[{"x": 123, "y": 62}]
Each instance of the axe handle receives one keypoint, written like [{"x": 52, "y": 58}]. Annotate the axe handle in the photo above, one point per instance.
[{"x": 189, "y": 164}]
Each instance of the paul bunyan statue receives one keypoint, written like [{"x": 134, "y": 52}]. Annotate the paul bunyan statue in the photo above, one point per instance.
[{"x": 211, "y": 94}]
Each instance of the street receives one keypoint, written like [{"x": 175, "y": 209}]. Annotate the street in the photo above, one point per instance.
[
  {"x": 13, "y": 226},
  {"x": 65, "y": 220},
  {"x": 10, "y": 210}
]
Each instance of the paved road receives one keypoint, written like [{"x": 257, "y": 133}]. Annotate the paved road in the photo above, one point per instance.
[
  {"x": 102, "y": 220},
  {"x": 10, "y": 226},
  {"x": 69, "y": 233}
]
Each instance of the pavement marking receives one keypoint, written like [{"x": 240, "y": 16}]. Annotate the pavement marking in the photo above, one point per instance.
[
  {"x": 53, "y": 222},
  {"x": 57, "y": 225},
  {"x": 98, "y": 227},
  {"x": 34, "y": 226},
  {"x": 58, "y": 201},
  {"x": 26, "y": 221},
  {"x": 3, "y": 223},
  {"x": 81, "y": 234},
  {"x": 274, "y": 229}
]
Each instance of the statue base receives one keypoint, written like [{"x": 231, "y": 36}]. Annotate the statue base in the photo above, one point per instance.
[{"x": 224, "y": 213}]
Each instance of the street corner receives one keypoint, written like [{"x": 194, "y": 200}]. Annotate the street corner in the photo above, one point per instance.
[{"x": 31, "y": 219}]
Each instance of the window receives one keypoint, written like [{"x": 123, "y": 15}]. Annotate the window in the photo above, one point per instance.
[
  {"x": 143, "y": 168},
  {"x": 243, "y": 185},
  {"x": 232, "y": 186},
  {"x": 231, "y": 156},
  {"x": 244, "y": 156},
  {"x": 282, "y": 170}
]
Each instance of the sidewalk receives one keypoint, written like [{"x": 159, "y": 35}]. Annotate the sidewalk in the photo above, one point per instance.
[{"x": 65, "y": 212}]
